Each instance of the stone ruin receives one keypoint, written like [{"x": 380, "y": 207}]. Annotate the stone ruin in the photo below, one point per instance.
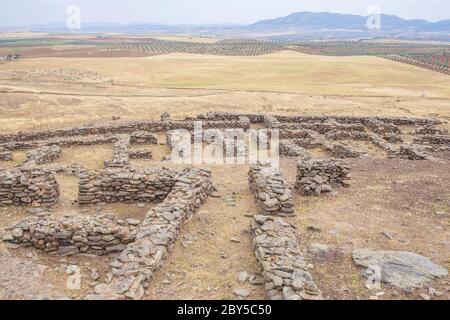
[
  {"x": 154, "y": 240},
  {"x": 283, "y": 265},
  {"x": 42, "y": 155},
  {"x": 142, "y": 247},
  {"x": 272, "y": 193},
  {"x": 118, "y": 185},
  {"x": 315, "y": 176},
  {"x": 28, "y": 186},
  {"x": 70, "y": 235}
]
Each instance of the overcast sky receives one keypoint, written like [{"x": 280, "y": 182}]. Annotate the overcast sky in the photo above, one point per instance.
[{"x": 21, "y": 12}]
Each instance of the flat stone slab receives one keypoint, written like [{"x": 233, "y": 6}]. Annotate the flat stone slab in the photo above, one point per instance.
[{"x": 401, "y": 269}]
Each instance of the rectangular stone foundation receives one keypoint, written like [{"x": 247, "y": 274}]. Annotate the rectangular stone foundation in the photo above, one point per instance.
[{"x": 315, "y": 176}]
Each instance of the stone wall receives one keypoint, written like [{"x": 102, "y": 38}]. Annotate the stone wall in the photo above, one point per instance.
[
  {"x": 120, "y": 157},
  {"x": 430, "y": 130},
  {"x": 5, "y": 155},
  {"x": 443, "y": 140},
  {"x": 119, "y": 128},
  {"x": 71, "y": 234},
  {"x": 28, "y": 186},
  {"x": 155, "y": 239},
  {"x": 124, "y": 185},
  {"x": 272, "y": 193},
  {"x": 315, "y": 176},
  {"x": 259, "y": 118},
  {"x": 381, "y": 127},
  {"x": 288, "y": 148},
  {"x": 140, "y": 154},
  {"x": 411, "y": 152},
  {"x": 62, "y": 142},
  {"x": 43, "y": 155},
  {"x": 341, "y": 151},
  {"x": 283, "y": 266},
  {"x": 143, "y": 137}
]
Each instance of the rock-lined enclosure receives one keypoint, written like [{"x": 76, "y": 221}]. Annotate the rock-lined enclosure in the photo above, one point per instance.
[
  {"x": 70, "y": 235},
  {"x": 28, "y": 186},
  {"x": 144, "y": 246},
  {"x": 315, "y": 176},
  {"x": 155, "y": 238},
  {"x": 271, "y": 190},
  {"x": 283, "y": 266}
]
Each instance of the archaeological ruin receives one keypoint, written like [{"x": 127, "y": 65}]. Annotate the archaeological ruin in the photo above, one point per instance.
[{"x": 320, "y": 146}]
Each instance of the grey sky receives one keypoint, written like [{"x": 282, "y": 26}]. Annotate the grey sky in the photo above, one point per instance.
[{"x": 20, "y": 12}]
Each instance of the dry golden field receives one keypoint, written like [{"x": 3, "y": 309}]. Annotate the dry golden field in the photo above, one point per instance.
[{"x": 55, "y": 92}]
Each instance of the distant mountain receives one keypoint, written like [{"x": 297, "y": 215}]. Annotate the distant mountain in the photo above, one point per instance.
[
  {"x": 296, "y": 26},
  {"x": 326, "y": 20}
]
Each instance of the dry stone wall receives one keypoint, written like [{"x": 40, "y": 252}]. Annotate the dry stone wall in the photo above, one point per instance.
[
  {"x": 271, "y": 190},
  {"x": 288, "y": 148},
  {"x": 411, "y": 152},
  {"x": 117, "y": 185},
  {"x": 5, "y": 155},
  {"x": 315, "y": 176},
  {"x": 143, "y": 137},
  {"x": 120, "y": 156},
  {"x": 259, "y": 118},
  {"x": 28, "y": 186},
  {"x": 43, "y": 155},
  {"x": 62, "y": 142},
  {"x": 70, "y": 234},
  {"x": 283, "y": 266},
  {"x": 154, "y": 240},
  {"x": 140, "y": 154}
]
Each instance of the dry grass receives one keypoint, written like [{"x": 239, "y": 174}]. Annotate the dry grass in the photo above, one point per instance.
[{"x": 183, "y": 84}]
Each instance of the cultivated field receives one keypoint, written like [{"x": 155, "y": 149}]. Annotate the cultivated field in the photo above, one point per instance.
[{"x": 392, "y": 204}]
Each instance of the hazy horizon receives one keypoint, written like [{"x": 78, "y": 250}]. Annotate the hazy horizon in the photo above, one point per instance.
[{"x": 23, "y": 13}]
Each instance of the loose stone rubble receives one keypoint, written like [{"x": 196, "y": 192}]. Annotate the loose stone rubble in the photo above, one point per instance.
[
  {"x": 315, "y": 176},
  {"x": 283, "y": 266},
  {"x": 70, "y": 235},
  {"x": 42, "y": 155},
  {"x": 125, "y": 185},
  {"x": 28, "y": 186},
  {"x": 272, "y": 193}
]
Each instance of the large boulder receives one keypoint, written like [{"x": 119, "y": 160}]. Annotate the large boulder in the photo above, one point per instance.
[{"x": 401, "y": 269}]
